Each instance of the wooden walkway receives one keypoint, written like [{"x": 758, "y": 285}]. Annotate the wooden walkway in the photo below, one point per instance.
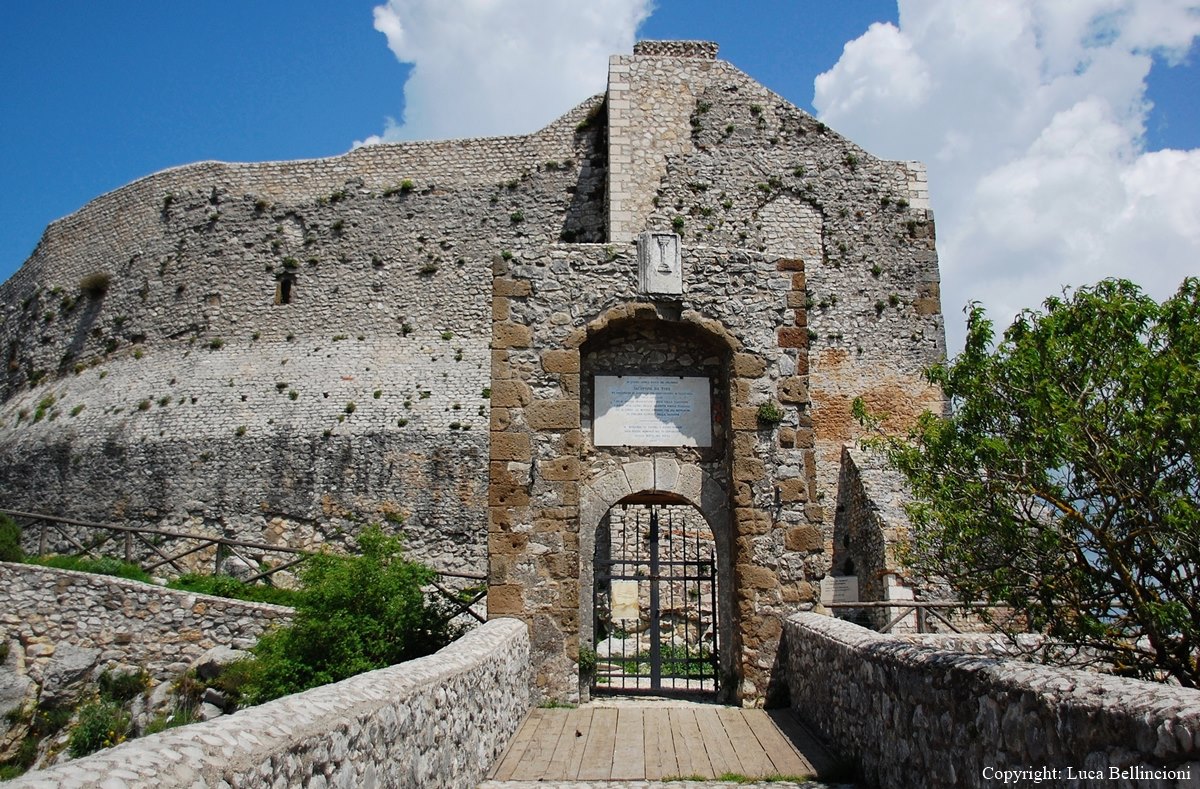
[{"x": 633, "y": 742}]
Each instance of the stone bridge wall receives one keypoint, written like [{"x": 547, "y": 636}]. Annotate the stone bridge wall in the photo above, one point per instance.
[
  {"x": 440, "y": 720},
  {"x": 913, "y": 715},
  {"x": 161, "y": 630}
]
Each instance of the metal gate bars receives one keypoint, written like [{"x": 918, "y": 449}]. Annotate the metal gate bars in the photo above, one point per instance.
[{"x": 655, "y": 602}]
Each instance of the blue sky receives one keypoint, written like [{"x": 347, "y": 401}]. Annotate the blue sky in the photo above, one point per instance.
[{"x": 96, "y": 95}]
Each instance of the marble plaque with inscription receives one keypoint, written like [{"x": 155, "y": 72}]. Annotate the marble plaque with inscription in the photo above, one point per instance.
[
  {"x": 652, "y": 411},
  {"x": 839, "y": 589}
]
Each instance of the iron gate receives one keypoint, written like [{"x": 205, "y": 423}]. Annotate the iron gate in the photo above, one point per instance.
[{"x": 655, "y": 602}]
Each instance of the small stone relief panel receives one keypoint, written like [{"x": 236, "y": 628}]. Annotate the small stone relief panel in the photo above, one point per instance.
[{"x": 660, "y": 264}]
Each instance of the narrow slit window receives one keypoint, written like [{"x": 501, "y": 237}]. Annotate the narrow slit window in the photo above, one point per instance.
[{"x": 284, "y": 289}]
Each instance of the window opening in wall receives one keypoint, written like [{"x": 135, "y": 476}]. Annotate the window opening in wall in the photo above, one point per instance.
[{"x": 284, "y": 289}]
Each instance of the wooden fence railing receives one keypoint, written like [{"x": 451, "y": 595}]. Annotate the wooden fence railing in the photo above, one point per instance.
[
  {"x": 923, "y": 609},
  {"x": 151, "y": 541}
]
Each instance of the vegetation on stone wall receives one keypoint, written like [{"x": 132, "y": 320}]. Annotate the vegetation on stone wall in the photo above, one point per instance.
[
  {"x": 1063, "y": 483},
  {"x": 354, "y": 614}
]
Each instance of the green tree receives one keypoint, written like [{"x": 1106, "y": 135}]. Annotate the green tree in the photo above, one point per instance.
[
  {"x": 10, "y": 540},
  {"x": 1063, "y": 481},
  {"x": 354, "y": 614}
]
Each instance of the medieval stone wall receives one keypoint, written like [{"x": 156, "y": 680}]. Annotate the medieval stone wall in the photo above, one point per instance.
[
  {"x": 911, "y": 715},
  {"x": 419, "y": 723},
  {"x": 153, "y": 374},
  {"x": 128, "y": 622}
]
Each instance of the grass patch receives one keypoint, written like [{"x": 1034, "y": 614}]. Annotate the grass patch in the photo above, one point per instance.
[
  {"x": 87, "y": 564},
  {"x": 228, "y": 586}
]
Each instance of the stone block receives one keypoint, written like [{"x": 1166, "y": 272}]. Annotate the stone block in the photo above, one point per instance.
[
  {"x": 790, "y": 264},
  {"x": 803, "y": 539},
  {"x": 511, "y": 394},
  {"x": 560, "y": 361},
  {"x": 549, "y": 526},
  {"x": 507, "y": 543},
  {"x": 500, "y": 311},
  {"x": 510, "y": 446},
  {"x": 505, "y": 600},
  {"x": 500, "y": 366},
  {"x": 805, "y": 438},
  {"x": 569, "y": 492},
  {"x": 500, "y": 419},
  {"x": 752, "y": 576},
  {"x": 552, "y": 414},
  {"x": 793, "y": 490},
  {"x": 507, "y": 495},
  {"x": 576, "y": 338},
  {"x": 750, "y": 521},
  {"x": 787, "y": 437},
  {"x": 796, "y": 299},
  {"x": 745, "y": 444},
  {"x": 571, "y": 442},
  {"x": 793, "y": 391},
  {"x": 748, "y": 470},
  {"x": 744, "y": 418},
  {"x": 559, "y": 469},
  {"x": 793, "y": 337},
  {"x": 570, "y": 384},
  {"x": 691, "y": 482},
  {"x": 799, "y": 281},
  {"x": 799, "y": 592},
  {"x": 609, "y": 489},
  {"x": 640, "y": 475},
  {"x": 511, "y": 335},
  {"x": 506, "y": 518},
  {"x": 499, "y": 471},
  {"x": 503, "y": 286},
  {"x": 666, "y": 474},
  {"x": 748, "y": 365}
]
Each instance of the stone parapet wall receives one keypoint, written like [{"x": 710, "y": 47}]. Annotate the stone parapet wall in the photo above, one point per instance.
[
  {"x": 911, "y": 715},
  {"x": 160, "y": 630},
  {"x": 440, "y": 720}
]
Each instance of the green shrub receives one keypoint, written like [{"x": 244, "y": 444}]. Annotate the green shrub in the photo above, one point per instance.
[
  {"x": 10, "y": 540},
  {"x": 86, "y": 564},
  {"x": 120, "y": 687},
  {"x": 102, "y": 724},
  {"x": 355, "y": 614}
]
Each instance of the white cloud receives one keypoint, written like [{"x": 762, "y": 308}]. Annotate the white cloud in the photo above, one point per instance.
[
  {"x": 1030, "y": 115},
  {"x": 490, "y": 67}
]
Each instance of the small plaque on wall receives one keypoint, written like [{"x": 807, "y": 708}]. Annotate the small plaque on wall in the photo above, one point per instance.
[
  {"x": 652, "y": 411},
  {"x": 839, "y": 589}
]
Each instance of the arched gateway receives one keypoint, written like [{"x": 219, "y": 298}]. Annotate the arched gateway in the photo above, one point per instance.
[{"x": 644, "y": 518}]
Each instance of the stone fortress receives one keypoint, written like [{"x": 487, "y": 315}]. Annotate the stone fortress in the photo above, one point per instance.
[{"x": 418, "y": 334}]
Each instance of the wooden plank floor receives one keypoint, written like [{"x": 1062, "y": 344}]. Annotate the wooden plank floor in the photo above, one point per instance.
[{"x": 633, "y": 742}]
